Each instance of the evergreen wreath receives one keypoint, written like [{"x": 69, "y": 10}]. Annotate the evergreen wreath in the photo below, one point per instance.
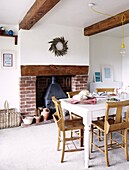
[{"x": 53, "y": 47}]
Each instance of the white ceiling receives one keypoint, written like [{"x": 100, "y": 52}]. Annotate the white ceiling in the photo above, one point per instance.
[
  {"x": 12, "y": 12},
  {"x": 74, "y": 13}
]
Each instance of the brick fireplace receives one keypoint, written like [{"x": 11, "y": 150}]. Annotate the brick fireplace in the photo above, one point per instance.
[{"x": 29, "y": 74}]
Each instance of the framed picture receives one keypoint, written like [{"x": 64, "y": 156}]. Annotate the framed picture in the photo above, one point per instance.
[
  {"x": 97, "y": 76},
  {"x": 107, "y": 73},
  {"x": 8, "y": 59}
]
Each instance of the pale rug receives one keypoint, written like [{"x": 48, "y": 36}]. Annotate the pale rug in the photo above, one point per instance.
[{"x": 34, "y": 148}]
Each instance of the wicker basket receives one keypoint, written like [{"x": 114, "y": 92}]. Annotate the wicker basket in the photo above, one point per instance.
[{"x": 9, "y": 118}]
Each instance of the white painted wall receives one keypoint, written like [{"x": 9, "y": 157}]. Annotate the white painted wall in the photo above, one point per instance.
[
  {"x": 9, "y": 78},
  {"x": 105, "y": 51},
  {"x": 125, "y": 64},
  {"x": 34, "y": 46}
]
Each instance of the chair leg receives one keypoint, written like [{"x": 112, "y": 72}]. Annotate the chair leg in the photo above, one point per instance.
[
  {"x": 123, "y": 138},
  {"x": 99, "y": 139},
  {"x": 91, "y": 139},
  {"x": 106, "y": 149},
  {"x": 98, "y": 132},
  {"x": 126, "y": 143},
  {"x": 81, "y": 133},
  {"x": 71, "y": 117},
  {"x": 71, "y": 133},
  {"x": 111, "y": 139},
  {"x": 63, "y": 147},
  {"x": 58, "y": 143}
]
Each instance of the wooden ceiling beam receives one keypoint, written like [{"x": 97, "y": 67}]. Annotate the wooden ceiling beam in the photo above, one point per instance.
[
  {"x": 36, "y": 12},
  {"x": 107, "y": 24}
]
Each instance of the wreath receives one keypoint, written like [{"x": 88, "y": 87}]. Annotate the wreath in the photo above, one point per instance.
[{"x": 53, "y": 48}]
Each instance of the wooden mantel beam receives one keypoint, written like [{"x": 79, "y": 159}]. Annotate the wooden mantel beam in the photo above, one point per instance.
[
  {"x": 55, "y": 70},
  {"x": 36, "y": 12},
  {"x": 107, "y": 24}
]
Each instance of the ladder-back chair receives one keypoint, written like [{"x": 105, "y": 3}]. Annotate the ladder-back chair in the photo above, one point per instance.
[
  {"x": 74, "y": 115},
  {"x": 64, "y": 126},
  {"x": 107, "y": 90},
  {"x": 110, "y": 125},
  {"x": 70, "y": 95}
]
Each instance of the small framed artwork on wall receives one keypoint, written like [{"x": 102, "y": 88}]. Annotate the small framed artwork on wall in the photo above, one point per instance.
[
  {"x": 97, "y": 76},
  {"x": 7, "y": 59},
  {"x": 107, "y": 73}
]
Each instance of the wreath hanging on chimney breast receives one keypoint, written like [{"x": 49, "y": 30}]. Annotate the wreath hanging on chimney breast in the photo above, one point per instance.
[{"x": 58, "y": 46}]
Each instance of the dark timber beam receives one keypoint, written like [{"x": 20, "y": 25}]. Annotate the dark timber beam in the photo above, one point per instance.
[
  {"x": 107, "y": 24},
  {"x": 49, "y": 70},
  {"x": 36, "y": 12}
]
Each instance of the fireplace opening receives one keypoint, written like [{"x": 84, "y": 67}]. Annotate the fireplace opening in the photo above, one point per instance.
[
  {"x": 54, "y": 89},
  {"x": 48, "y": 86}
]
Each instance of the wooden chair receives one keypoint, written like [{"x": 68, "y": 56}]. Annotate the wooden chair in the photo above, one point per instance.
[
  {"x": 110, "y": 125},
  {"x": 108, "y": 90},
  {"x": 73, "y": 115},
  {"x": 65, "y": 126},
  {"x": 70, "y": 95}
]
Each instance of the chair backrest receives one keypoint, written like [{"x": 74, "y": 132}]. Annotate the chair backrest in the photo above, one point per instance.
[
  {"x": 58, "y": 115},
  {"x": 72, "y": 93},
  {"x": 118, "y": 123},
  {"x": 105, "y": 90}
]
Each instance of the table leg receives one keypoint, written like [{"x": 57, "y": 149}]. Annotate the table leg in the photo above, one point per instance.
[{"x": 86, "y": 145}]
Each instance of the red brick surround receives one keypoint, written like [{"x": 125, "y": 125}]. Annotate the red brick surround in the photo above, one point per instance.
[
  {"x": 28, "y": 94},
  {"x": 28, "y": 89}
]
